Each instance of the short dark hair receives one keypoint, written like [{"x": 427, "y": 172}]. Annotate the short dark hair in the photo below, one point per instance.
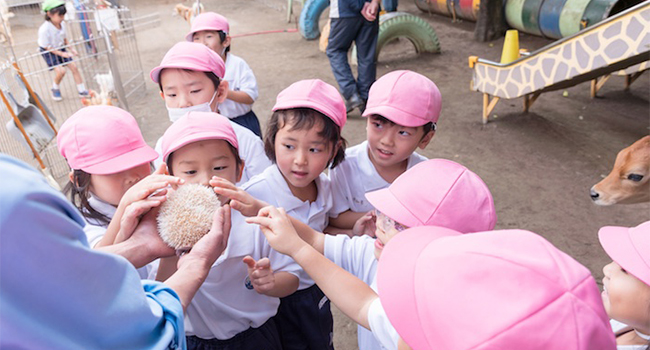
[
  {"x": 305, "y": 119},
  {"x": 428, "y": 127},
  {"x": 213, "y": 77},
  {"x": 222, "y": 37},
  {"x": 233, "y": 150},
  {"x": 57, "y": 10}
]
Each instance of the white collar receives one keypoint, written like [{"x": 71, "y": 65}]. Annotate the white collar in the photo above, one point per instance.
[
  {"x": 102, "y": 207},
  {"x": 644, "y": 336},
  {"x": 289, "y": 201}
]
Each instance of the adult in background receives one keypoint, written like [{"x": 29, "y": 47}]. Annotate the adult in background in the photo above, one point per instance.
[{"x": 354, "y": 21}]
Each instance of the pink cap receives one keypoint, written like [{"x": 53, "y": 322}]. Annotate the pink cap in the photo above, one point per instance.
[
  {"x": 208, "y": 21},
  {"x": 192, "y": 56},
  {"x": 508, "y": 289},
  {"x": 629, "y": 247},
  {"x": 197, "y": 126},
  {"x": 315, "y": 94},
  {"x": 103, "y": 140},
  {"x": 405, "y": 98},
  {"x": 452, "y": 197}
]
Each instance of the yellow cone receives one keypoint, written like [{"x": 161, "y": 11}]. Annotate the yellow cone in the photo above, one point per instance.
[{"x": 510, "y": 47}]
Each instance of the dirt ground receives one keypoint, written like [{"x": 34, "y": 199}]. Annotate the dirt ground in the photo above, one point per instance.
[{"x": 539, "y": 166}]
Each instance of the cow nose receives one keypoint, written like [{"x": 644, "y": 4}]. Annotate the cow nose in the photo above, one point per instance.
[{"x": 594, "y": 195}]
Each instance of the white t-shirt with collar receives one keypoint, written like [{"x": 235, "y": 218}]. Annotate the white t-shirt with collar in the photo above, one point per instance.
[
  {"x": 51, "y": 36},
  {"x": 272, "y": 188},
  {"x": 95, "y": 230},
  {"x": 251, "y": 150},
  {"x": 226, "y": 303},
  {"x": 619, "y": 326},
  {"x": 356, "y": 176},
  {"x": 240, "y": 77},
  {"x": 357, "y": 256}
]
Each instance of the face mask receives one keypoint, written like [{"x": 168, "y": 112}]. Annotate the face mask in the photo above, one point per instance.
[{"x": 176, "y": 113}]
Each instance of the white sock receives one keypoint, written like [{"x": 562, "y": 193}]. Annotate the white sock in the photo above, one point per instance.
[
  {"x": 81, "y": 88},
  {"x": 55, "y": 86}
]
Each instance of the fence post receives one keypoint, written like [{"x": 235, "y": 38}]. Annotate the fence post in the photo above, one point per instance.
[{"x": 112, "y": 63}]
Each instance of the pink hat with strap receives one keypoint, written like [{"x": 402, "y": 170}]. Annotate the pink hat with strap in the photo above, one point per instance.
[
  {"x": 192, "y": 56},
  {"x": 452, "y": 196},
  {"x": 208, "y": 21},
  {"x": 315, "y": 94},
  {"x": 629, "y": 247},
  {"x": 405, "y": 98},
  {"x": 197, "y": 126},
  {"x": 507, "y": 289},
  {"x": 103, "y": 140}
]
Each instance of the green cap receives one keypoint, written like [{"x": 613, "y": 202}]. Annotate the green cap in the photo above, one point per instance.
[{"x": 50, "y": 4}]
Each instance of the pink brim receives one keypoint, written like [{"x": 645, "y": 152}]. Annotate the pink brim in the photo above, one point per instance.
[
  {"x": 196, "y": 138},
  {"x": 396, "y": 280},
  {"x": 155, "y": 73},
  {"x": 189, "y": 35},
  {"x": 131, "y": 159},
  {"x": 395, "y": 115},
  {"x": 307, "y": 104},
  {"x": 384, "y": 201},
  {"x": 618, "y": 245}
]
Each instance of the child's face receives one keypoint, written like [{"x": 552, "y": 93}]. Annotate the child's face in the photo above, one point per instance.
[
  {"x": 386, "y": 229},
  {"x": 212, "y": 40},
  {"x": 55, "y": 18},
  {"x": 110, "y": 188},
  {"x": 626, "y": 298},
  {"x": 301, "y": 155},
  {"x": 391, "y": 144},
  {"x": 198, "y": 162},
  {"x": 182, "y": 89}
]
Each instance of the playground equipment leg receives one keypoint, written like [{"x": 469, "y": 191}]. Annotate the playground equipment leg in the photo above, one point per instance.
[
  {"x": 597, "y": 84},
  {"x": 488, "y": 106},
  {"x": 529, "y": 100},
  {"x": 33, "y": 95},
  {"x": 630, "y": 78}
]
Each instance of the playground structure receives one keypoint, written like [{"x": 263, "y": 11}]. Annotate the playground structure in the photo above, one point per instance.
[
  {"x": 29, "y": 118},
  {"x": 618, "y": 45}
]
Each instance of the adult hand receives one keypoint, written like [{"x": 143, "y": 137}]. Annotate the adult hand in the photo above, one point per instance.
[
  {"x": 146, "y": 236},
  {"x": 208, "y": 249},
  {"x": 279, "y": 232},
  {"x": 370, "y": 10}
]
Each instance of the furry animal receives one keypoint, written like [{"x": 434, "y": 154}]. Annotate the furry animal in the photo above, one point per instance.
[
  {"x": 629, "y": 181},
  {"x": 186, "y": 215},
  {"x": 106, "y": 91},
  {"x": 188, "y": 13}
]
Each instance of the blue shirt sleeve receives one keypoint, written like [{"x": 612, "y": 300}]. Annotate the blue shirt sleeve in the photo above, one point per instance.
[{"x": 59, "y": 294}]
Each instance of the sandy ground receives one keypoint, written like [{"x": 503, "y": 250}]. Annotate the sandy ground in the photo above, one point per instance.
[{"x": 539, "y": 166}]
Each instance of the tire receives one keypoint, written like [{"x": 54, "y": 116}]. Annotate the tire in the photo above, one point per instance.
[
  {"x": 309, "y": 18},
  {"x": 401, "y": 24}
]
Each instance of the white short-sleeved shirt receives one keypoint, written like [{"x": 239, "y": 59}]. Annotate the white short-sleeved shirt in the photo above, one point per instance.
[
  {"x": 356, "y": 176},
  {"x": 50, "y": 36},
  {"x": 240, "y": 77},
  {"x": 357, "y": 256},
  {"x": 618, "y": 326},
  {"x": 96, "y": 230},
  {"x": 226, "y": 303},
  {"x": 251, "y": 150},
  {"x": 272, "y": 188}
]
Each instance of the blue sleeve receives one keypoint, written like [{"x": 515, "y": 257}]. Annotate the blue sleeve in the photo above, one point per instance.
[{"x": 59, "y": 294}]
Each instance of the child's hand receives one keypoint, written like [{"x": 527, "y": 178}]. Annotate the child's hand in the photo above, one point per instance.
[
  {"x": 73, "y": 52},
  {"x": 279, "y": 231},
  {"x": 208, "y": 249},
  {"x": 158, "y": 181},
  {"x": 133, "y": 213},
  {"x": 260, "y": 274},
  {"x": 365, "y": 225},
  {"x": 240, "y": 200}
]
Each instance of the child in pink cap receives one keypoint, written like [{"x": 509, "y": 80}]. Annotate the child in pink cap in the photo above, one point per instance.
[
  {"x": 108, "y": 157},
  {"x": 626, "y": 286},
  {"x": 190, "y": 78},
  {"x": 402, "y": 111},
  {"x": 234, "y": 307},
  {"x": 452, "y": 197},
  {"x": 508, "y": 289},
  {"x": 212, "y": 30},
  {"x": 303, "y": 139}
]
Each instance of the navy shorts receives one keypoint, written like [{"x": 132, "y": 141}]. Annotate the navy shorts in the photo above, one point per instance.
[
  {"x": 250, "y": 122},
  {"x": 53, "y": 60},
  {"x": 305, "y": 321},
  {"x": 265, "y": 337}
]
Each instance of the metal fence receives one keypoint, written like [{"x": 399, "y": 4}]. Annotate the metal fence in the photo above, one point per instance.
[{"x": 108, "y": 56}]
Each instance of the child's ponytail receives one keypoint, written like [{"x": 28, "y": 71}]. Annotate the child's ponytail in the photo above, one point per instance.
[{"x": 79, "y": 189}]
